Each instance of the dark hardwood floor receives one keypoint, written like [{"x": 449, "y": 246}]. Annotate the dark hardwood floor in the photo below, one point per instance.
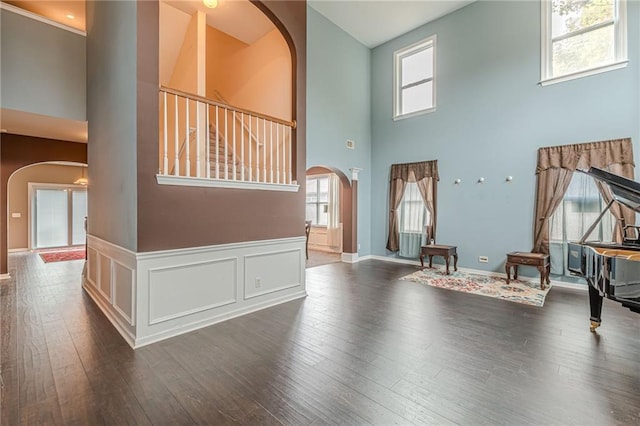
[{"x": 362, "y": 348}]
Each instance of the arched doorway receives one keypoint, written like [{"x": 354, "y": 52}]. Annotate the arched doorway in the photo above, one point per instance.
[
  {"x": 347, "y": 215},
  {"x": 47, "y": 205}
]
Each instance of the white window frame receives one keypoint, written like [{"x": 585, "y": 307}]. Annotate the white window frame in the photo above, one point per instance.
[
  {"x": 620, "y": 34},
  {"x": 398, "y": 55}
]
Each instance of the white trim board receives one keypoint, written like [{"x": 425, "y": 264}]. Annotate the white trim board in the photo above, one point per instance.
[{"x": 39, "y": 18}]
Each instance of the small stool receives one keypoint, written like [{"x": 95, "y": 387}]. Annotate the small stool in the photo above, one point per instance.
[
  {"x": 538, "y": 260},
  {"x": 439, "y": 250}
]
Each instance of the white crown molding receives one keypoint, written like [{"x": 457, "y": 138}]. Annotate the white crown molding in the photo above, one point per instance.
[{"x": 35, "y": 17}]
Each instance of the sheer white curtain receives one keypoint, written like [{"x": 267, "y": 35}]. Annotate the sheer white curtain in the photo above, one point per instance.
[
  {"x": 579, "y": 208},
  {"x": 413, "y": 218},
  {"x": 334, "y": 231}
]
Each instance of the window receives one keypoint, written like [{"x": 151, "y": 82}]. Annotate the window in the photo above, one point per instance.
[
  {"x": 582, "y": 37},
  {"x": 580, "y": 207},
  {"x": 318, "y": 200},
  {"x": 414, "y": 79},
  {"x": 413, "y": 213}
]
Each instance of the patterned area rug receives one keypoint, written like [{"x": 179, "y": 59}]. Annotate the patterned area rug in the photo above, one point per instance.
[
  {"x": 62, "y": 255},
  {"x": 520, "y": 291}
]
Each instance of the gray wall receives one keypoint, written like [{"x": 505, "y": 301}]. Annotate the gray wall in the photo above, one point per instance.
[
  {"x": 111, "y": 111},
  {"x": 491, "y": 118},
  {"x": 43, "y": 68},
  {"x": 338, "y": 108}
]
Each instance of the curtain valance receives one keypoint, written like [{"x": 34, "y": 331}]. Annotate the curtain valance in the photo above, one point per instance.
[
  {"x": 415, "y": 172},
  {"x": 585, "y": 155}
]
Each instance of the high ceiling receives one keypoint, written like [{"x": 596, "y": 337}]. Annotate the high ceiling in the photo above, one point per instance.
[{"x": 373, "y": 22}]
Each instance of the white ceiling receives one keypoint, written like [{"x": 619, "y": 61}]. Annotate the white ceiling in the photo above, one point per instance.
[
  {"x": 373, "y": 22},
  {"x": 42, "y": 126}
]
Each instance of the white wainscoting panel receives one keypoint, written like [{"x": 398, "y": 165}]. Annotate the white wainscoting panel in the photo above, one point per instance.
[
  {"x": 177, "y": 291},
  {"x": 123, "y": 295},
  {"x": 104, "y": 274},
  {"x": 111, "y": 283},
  {"x": 92, "y": 266},
  {"x": 266, "y": 273}
]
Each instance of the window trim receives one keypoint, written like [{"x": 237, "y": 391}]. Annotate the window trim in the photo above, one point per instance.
[
  {"x": 546, "y": 61},
  {"x": 398, "y": 55}
]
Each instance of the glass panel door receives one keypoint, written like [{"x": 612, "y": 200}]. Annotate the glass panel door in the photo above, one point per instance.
[
  {"x": 51, "y": 218},
  {"x": 78, "y": 213}
]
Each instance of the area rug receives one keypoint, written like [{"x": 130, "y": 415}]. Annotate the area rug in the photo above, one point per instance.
[
  {"x": 520, "y": 290},
  {"x": 62, "y": 255}
]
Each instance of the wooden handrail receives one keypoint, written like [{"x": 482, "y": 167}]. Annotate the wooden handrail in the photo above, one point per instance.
[{"x": 191, "y": 96}]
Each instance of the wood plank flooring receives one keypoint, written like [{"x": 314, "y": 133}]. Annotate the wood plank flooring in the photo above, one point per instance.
[{"x": 362, "y": 348}]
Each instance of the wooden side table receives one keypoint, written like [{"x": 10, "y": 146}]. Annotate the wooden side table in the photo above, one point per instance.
[
  {"x": 439, "y": 250},
  {"x": 538, "y": 260}
]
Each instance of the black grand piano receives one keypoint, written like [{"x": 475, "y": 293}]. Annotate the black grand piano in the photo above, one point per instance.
[{"x": 611, "y": 269}]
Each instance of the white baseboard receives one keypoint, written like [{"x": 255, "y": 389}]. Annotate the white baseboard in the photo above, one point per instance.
[
  {"x": 349, "y": 257},
  {"x": 17, "y": 250},
  {"x": 4, "y": 276}
]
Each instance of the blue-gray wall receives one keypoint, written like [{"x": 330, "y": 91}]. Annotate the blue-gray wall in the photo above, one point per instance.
[
  {"x": 338, "y": 108},
  {"x": 43, "y": 68},
  {"x": 491, "y": 118},
  {"x": 112, "y": 114}
]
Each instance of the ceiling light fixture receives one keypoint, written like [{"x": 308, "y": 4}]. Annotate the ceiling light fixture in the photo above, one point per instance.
[
  {"x": 70, "y": 16},
  {"x": 211, "y": 4},
  {"x": 82, "y": 180}
]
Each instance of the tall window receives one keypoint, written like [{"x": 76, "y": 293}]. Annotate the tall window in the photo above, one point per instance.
[
  {"x": 413, "y": 213},
  {"x": 414, "y": 79},
  {"x": 582, "y": 37},
  {"x": 580, "y": 207},
  {"x": 318, "y": 200}
]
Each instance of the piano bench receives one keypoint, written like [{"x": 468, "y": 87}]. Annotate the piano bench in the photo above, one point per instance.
[
  {"x": 439, "y": 250},
  {"x": 538, "y": 260}
]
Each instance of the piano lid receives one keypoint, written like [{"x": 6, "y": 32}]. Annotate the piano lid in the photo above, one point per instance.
[{"x": 625, "y": 191}]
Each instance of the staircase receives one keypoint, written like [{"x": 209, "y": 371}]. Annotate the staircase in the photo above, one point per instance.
[{"x": 222, "y": 158}]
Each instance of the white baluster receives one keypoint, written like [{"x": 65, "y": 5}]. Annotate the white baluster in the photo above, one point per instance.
[
  {"x": 186, "y": 141},
  {"x": 271, "y": 151},
  {"x": 176, "y": 145},
  {"x": 277, "y": 152},
  {"x": 207, "y": 145},
  {"x": 198, "y": 138},
  {"x": 226, "y": 146},
  {"x": 233, "y": 150},
  {"x": 217, "y": 146},
  {"x": 290, "y": 157},
  {"x": 250, "y": 145},
  {"x": 165, "y": 158},
  {"x": 242, "y": 177},
  {"x": 264, "y": 154}
]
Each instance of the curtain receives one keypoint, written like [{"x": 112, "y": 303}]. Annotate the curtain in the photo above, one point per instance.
[
  {"x": 578, "y": 209},
  {"x": 412, "y": 219},
  {"x": 622, "y": 214},
  {"x": 425, "y": 174},
  {"x": 555, "y": 169},
  {"x": 334, "y": 232}
]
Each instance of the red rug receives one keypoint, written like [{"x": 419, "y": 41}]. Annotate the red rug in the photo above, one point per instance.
[{"x": 61, "y": 256}]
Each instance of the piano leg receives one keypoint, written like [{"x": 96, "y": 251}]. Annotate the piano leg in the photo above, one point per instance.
[{"x": 595, "y": 303}]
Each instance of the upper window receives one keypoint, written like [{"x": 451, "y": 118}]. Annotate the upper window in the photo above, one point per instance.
[
  {"x": 582, "y": 37},
  {"x": 414, "y": 79}
]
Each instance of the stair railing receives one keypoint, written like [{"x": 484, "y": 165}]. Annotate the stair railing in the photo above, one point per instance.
[{"x": 218, "y": 150}]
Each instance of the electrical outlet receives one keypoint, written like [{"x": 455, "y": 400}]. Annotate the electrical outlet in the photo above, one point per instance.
[
  {"x": 483, "y": 259},
  {"x": 351, "y": 144},
  {"x": 258, "y": 282}
]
